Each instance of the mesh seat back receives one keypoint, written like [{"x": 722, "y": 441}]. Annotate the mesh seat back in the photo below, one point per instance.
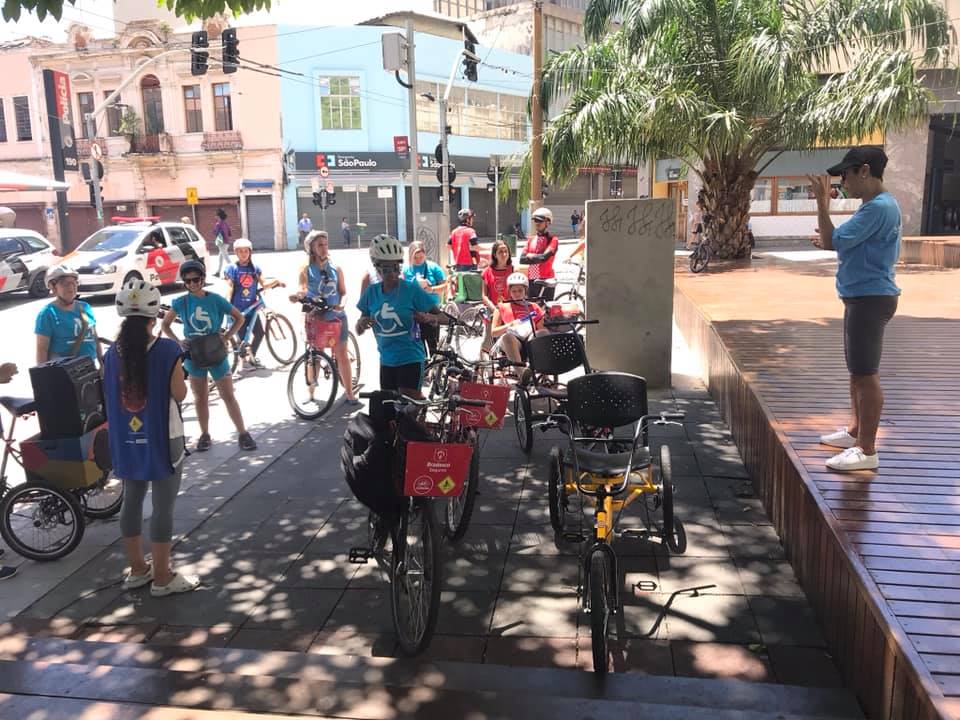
[
  {"x": 607, "y": 399},
  {"x": 555, "y": 354}
]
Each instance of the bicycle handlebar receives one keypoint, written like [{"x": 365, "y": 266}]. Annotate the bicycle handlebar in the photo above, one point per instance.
[
  {"x": 558, "y": 322},
  {"x": 392, "y": 396}
]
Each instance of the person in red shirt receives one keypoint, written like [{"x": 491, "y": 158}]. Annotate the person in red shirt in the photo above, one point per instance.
[
  {"x": 463, "y": 242},
  {"x": 516, "y": 319},
  {"x": 540, "y": 252},
  {"x": 495, "y": 275}
]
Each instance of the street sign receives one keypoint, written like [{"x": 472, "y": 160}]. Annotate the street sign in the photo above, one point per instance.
[
  {"x": 96, "y": 151},
  {"x": 330, "y": 186},
  {"x": 362, "y": 188},
  {"x": 349, "y": 188},
  {"x": 324, "y": 171},
  {"x": 383, "y": 193},
  {"x": 401, "y": 144},
  {"x": 192, "y": 198}
]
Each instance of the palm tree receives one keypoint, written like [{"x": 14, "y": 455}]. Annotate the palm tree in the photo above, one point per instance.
[{"x": 721, "y": 83}]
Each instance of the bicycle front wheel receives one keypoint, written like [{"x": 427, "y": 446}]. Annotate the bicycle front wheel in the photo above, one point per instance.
[
  {"x": 41, "y": 522},
  {"x": 600, "y": 609},
  {"x": 312, "y": 385},
  {"x": 353, "y": 352},
  {"x": 281, "y": 338},
  {"x": 415, "y": 578},
  {"x": 104, "y": 499},
  {"x": 459, "y": 509},
  {"x": 699, "y": 258}
]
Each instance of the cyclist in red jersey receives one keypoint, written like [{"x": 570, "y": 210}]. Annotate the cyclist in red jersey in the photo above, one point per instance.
[
  {"x": 540, "y": 252},
  {"x": 463, "y": 242}
]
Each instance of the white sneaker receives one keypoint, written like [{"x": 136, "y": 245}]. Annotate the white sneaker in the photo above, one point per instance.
[
  {"x": 854, "y": 459},
  {"x": 841, "y": 439}
]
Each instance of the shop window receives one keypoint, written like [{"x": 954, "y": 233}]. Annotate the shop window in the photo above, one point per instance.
[
  {"x": 21, "y": 113},
  {"x": 761, "y": 197},
  {"x": 3, "y": 122},
  {"x": 193, "y": 113},
  {"x": 340, "y": 107},
  {"x": 113, "y": 112},
  {"x": 152, "y": 105},
  {"x": 795, "y": 196},
  {"x": 85, "y": 107},
  {"x": 222, "y": 107}
]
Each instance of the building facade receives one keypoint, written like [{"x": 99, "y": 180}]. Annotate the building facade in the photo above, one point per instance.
[
  {"x": 342, "y": 113},
  {"x": 170, "y": 131}
]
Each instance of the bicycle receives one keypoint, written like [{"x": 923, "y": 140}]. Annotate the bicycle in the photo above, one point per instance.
[
  {"x": 316, "y": 365},
  {"x": 700, "y": 255},
  {"x": 415, "y": 467},
  {"x": 610, "y": 480},
  {"x": 576, "y": 292},
  {"x": 42, "y": 521},
  {"x": 277, "y": 331}
]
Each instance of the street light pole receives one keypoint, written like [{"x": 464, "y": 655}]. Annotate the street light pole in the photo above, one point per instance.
[
  {"x": 536, "y": 111},
  {"x": 93, "y": 165},
  {"x": 412, "y": 140}
]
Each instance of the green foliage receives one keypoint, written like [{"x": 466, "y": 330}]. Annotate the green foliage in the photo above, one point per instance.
[
  {"x": 189, "y": 9},
  {"x": 719, "y": 83}
]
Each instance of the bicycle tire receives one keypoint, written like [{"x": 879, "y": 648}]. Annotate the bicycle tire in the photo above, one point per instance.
[
  {"x": 699, "y": 258},
  {"x": 59, "y": 506},
  {"x": 522, "y": 420},
  {"x": 106, "y": 510},
  {"x": 279, "y": 333},
  {"x": 556, "y": 492},
  {"x": 436, "y": 379},
  {"x": 325, "y": 372},
  {"x": 419, "y": 519},
  {"x": 600, "y": 610},
  {"x": 235, "y": 354},
  {"x": 456, "y": 522},
  {"x": 469, "y": 342},
  {"x": 673, "y": 538},
  {"x": 353, "y": 352}
]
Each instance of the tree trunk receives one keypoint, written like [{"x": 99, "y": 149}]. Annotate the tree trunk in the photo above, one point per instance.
[{"x": 726, "y": 199}]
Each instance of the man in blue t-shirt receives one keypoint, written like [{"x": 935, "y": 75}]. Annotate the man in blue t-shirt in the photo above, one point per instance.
[
  {"x": 867, "y": 246},
  {"x": 203, "y": 314}
]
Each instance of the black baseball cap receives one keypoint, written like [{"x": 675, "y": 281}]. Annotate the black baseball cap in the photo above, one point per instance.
[{"x": 870, "y": 155}]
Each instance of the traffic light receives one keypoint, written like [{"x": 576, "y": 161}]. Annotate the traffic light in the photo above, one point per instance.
[
  {"x": 469, "y": 64},
  {"x": 93, "y": 199},
  {"x": 199, "y": 58},
  {"x": 316, "y": 199},
  {"x": 85, "y": 169},
  {"x": 451, "y": 173},
  {"x": 231, "y": 50},
  {"x": 324, "y": 199},
  {"x": 331, "y": 199}
]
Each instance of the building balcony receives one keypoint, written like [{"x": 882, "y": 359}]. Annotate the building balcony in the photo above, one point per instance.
[
  {"x": 224, "y": 140},
  {"x": 151, "y": 144},
  {"x": 83, "y": 147}
]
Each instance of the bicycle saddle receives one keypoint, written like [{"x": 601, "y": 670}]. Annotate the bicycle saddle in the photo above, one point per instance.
[
  {"x": 18, "y": 406},
  {"x": 608, "y": 464}
]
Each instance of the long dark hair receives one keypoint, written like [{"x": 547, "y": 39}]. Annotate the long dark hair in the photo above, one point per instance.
[
  {"x": 493, "y": 254},
  {"x": 132, "y": 342}
]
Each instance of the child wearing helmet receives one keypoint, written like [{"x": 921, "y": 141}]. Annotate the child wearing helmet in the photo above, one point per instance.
[
  {"x": 143, "y": 387},
  {"x": 244, "y": 282},
  {"x": 516, "y": 319},
  {"x": 540, "y": 251},
  {"x": 320, "y": 278},
  {"x": 66, "y": 327},
  {"x": 393, "y": 307},
  {"x": 463, "y": 242}
]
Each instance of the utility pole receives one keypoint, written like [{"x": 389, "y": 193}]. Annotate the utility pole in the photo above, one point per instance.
[
  {"x": 412, "y": 140},
  {"x": 536, "y": 112},
  {"x": 94, "y": 175},
  {"x": 445, "y": 167}
]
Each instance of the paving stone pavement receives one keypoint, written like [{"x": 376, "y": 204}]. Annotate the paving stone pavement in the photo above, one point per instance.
[{"x": 269, "y": 533}]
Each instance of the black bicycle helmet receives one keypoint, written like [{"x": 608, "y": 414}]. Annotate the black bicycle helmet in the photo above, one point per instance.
[{"x": 195, "y": 266}]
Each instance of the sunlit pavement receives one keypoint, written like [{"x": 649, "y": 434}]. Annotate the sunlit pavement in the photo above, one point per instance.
[{"x": 268, "y": 533}]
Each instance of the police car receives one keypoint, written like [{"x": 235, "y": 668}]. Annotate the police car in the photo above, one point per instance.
[
  {"x": 138, "y": 248},
  {"x": 24, "y": 258}
]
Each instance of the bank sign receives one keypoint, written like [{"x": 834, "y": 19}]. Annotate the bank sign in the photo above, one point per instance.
[
  {"x": 56, "y": 87},
  {"x": 378, "y": 161}
]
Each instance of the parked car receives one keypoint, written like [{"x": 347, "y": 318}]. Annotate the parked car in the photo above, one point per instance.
[
  {"x": 143, "y": 248},
  {"x": 25, "y": 256}
]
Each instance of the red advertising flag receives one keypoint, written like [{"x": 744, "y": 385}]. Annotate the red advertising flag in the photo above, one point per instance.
[
  {"x": 490, "y": 417},
  {"x": 401, "y": 144},
  {"x": 436, "y": 469}
]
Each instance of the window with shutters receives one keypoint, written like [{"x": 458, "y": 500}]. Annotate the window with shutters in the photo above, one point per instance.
[
  {"x": 192, "y": 109},
  {"x": 21, "y": 113},
  {"x": 84, "y": 107}
]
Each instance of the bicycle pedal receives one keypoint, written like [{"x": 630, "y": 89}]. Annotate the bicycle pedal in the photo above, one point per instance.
[
  {"x": 572, "y": 537},
  {"x": 645, "y": 586},
  {"x": 359, "y": 555}
]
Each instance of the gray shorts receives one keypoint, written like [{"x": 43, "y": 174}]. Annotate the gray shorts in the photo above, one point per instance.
[{"x": 864, "y": 320}]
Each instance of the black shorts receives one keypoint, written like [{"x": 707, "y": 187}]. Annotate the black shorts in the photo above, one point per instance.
[
  {"x": 864, "y": 320},
  {"x": 409, "y": 376}
]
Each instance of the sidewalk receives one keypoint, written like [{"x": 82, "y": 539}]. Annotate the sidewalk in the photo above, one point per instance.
[{"x": 268, "y": 533}]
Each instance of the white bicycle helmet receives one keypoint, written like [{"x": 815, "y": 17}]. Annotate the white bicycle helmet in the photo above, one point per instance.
[
  {"x": 241, "y": 243},
  {"x": 60, "y": 271},
  {"x": 464, "y": 214},
  {"x": 543, "y": 214},
  {"x": 384, "y": 248},
  {"x": 138, "y": 298},
  {"x": 311, "y": 236},
  {"x": 518, "y": 278}
]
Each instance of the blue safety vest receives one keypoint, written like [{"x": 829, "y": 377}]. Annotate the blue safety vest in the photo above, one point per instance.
[{"x": 140, "y": 438}]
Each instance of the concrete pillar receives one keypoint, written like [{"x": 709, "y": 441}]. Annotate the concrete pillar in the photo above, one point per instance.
[
  {"x": 630, "y": 286},
  {"x": 905, "y": 176}
]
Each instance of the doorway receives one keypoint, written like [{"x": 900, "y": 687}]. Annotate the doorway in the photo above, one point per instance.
[{"x": 677, "y": 191}]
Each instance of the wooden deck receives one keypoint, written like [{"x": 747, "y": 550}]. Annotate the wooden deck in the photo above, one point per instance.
[{"x": 878, "y": 554}]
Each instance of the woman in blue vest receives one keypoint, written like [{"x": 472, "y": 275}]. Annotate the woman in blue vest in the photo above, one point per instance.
[{"x": 144, "y": 386}]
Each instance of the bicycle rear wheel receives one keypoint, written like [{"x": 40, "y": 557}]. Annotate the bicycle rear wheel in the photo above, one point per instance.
[
  {"x": 700, "y": 258},
  {"x": 102, "y": 500},
  {"x": 458, "y": 510},
  {"x": 353, "y": 352},
  {"x": 312, "y": 385},
  {"x": 468, "y": 341},
  {"x": 415, "y": 578},
  {"x": 600, "y": 609},
  {"x": 41, "y": 522},
  {"x": 281, "y": 338}
]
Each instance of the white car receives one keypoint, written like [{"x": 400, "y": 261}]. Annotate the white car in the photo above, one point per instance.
[
  {"x": 25, "y": 256},
  {"x": 146, "y": 250}
]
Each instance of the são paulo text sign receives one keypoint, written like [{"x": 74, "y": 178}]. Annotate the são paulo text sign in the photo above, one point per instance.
[{"x": 435, "y": 469}]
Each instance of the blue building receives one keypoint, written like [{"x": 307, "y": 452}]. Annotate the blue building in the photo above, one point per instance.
[{"x": 342, "y": 113}]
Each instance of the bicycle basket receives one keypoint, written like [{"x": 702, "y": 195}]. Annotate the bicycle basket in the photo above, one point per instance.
[
  {"x": 435, "y": 469},
  {"x": 469, "y": 287},
  {"x": 322, "y": 333}
]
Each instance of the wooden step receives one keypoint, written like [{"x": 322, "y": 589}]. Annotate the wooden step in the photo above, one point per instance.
[{"x": 350, "y": 686}]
